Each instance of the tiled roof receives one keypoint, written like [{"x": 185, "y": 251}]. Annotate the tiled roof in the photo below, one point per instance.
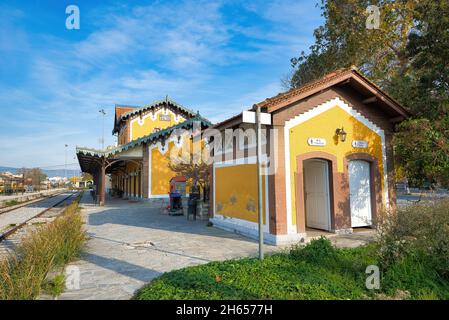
[
  {"x": 284, "y": 98},
  {"x": 148, "y": 138},
  {"x": 328, "y": 80},
  {"x": 219, "y": 124},
  {"x": 308, "y": 86},
  {"x": 120, "y": 110}
]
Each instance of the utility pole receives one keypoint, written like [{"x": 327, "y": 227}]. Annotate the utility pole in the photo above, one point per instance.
[
  {"x": 259, "y": 179},
  {"x": 65, "y": 162},
  {"x": 102, "y": 138}
]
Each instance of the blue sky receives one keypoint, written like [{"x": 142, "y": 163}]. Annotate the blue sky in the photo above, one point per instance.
[{"x": 217, "y": 57}]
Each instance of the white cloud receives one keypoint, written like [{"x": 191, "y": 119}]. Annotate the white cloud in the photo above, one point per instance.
[{"x": 137, "y": 55}]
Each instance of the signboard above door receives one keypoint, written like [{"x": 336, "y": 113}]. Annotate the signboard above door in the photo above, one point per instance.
[
  {"x": 361, "y": 144},
  {"x": 317, "y": 142}
]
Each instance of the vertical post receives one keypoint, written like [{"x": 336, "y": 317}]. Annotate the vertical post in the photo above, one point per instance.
[
  {"x": 259, "y": 180},
  {"x": 141, "y": 180},
  {"x": 102, "y": 183},
  {"x": 102, "y": 137},
  {"x": 65, "y": 163}
]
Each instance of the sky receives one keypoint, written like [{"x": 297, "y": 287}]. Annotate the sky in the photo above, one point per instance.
[{"x": 218, "y": 57}]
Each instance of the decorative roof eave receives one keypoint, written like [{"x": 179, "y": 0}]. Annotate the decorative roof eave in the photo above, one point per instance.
[
  {"x": 148, "y": 138},
  {"x": 137, "y": 110},
  {"x": 156, "y": 104},
  {"x": 283, "y": 99}
]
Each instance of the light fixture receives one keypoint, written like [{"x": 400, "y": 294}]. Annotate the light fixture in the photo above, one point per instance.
[{"x": 341, "y": 133}]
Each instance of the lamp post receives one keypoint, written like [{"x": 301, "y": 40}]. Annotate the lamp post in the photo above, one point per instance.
[
  {"x": 65, "y": 162},
  {"x": 102, "y": 138}
]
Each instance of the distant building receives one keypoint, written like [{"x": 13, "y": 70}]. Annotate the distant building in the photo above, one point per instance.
[{"x": 11, "y": 183}]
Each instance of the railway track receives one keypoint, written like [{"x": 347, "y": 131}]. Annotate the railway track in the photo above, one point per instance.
[
  {"x": 6, "y": 209},
  {"x": 13, "y": 223}
]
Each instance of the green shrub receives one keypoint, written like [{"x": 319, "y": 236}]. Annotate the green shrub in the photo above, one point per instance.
[
  {"x": 317, "y": 251},
  {"x": 420, "y": 232},
  {"x": 55, "y": 286},
  {"x": 50, "y": 246},
  {"x": 11, "y": 203},
  {"x": 315, "y": 271}
]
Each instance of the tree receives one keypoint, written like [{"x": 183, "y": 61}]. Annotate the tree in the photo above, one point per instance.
[
  {"x": 86, "y": 177},
  {"x": 33, "y": 176},
  {"x": 74, "y": 179},
  {"x": 344, "y": 40},
  {"x": 422, "y": 149},
  {"x": 190, "y": 160},
  {"x": 407, "y": 56},
  {"x": 197, "y": 174}
]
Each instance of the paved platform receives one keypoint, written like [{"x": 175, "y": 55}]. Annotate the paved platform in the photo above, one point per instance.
[{"x": 132, "y": 242}]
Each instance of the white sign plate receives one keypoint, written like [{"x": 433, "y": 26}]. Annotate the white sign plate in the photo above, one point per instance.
[
  {"x": 318, "y": 142},
  {"x": 164, "y": 117},
  {"x": 250, "y": 117},
  {"x": 361, "y": 144}
]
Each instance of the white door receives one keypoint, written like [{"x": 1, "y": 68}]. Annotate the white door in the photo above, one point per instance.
[
  {"x": 360, "y": 193},
  {"x": 317, "y": 201}
]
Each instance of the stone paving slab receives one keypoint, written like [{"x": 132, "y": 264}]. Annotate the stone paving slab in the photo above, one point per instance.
[{"x": 132, "y": 243}]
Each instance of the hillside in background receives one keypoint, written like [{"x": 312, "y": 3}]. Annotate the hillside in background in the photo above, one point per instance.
[{"x": 49, "y": 173}]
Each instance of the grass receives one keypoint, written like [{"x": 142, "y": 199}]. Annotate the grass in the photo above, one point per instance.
[
  {"x": 49, "y": 247},
  {"x": 11, "y": 203},
  {"x": 54, "y": 286},
  {"x": 316, "y": 271}
]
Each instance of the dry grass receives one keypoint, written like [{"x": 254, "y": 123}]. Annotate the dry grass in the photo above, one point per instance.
[
  {"x": 51, "y": 246},
  {"x": 419, "y": 230}
]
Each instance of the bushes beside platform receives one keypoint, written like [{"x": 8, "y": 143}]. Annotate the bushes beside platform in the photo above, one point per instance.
[
  {"x": 411, "y": 253},
  {"x": 48, "y": 248},
  {"x": 414, "y": 248}
]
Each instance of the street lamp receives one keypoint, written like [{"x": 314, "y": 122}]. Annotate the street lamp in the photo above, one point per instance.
[
  {"x": 102, "y": 139},
  {"x": 65, "y": 162}
]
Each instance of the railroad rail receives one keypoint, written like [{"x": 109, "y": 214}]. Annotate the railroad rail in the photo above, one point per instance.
[
  {"x": 5, "y": 234},
  {"x": 6, "y": 209}
]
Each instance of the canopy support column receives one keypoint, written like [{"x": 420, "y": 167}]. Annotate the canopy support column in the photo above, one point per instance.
[{"x": 102, "y": 184}]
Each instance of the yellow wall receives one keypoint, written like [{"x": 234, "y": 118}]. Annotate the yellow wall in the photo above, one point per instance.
[
  {"x": 160, "y": 171},
  {"x": 132, "y": 167},
  {"x": 324, "y": 126},
  {"x": 236, "y": 192},
  {"x": 149, "y": 125}
]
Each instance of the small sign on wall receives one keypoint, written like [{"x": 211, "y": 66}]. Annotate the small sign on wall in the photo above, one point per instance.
[
  {"x": 250, "y": 117},
  {"x": 164, "y": 117},
  {"x": 317, "y": 142},
  {"x": 361, "y": 144}
]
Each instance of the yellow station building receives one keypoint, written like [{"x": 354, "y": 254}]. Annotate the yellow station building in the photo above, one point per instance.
[
  {"x": 146, "y": 135},
  {"x": 327, "y": 161}
]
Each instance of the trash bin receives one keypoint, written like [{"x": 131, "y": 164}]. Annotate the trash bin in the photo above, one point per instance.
[
  {"x": 175, "y": 204},
  {"x": 192, "y": 204}
]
